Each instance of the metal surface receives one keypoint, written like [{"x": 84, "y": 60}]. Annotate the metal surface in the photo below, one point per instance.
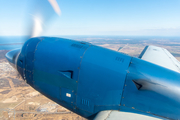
[
  {"x": 160, "y": 91},
  {"x": 12, "y": 57},
  {"x": 118, "y": 115},
  {"x": 102, "y": 75},
  {"x": 88, "y": 79},
  {"x": 161, "y": 57}
]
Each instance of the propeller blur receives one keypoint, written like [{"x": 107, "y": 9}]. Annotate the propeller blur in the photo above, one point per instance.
[{"x": 40, "y": 15}]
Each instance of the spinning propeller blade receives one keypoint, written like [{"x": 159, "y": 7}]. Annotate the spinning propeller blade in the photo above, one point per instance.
[{"x": 39, "y": 15}]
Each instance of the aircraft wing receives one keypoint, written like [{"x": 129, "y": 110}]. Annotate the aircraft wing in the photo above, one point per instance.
[
  {"x": 119, "y": 115},
  {"x": 161, "y": 57}
]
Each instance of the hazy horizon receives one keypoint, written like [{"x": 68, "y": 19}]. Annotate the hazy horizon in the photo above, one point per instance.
[{"x": 102, "y": 17}]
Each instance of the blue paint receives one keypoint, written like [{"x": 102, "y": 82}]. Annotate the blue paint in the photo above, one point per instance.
[
  {"x": 85, "y": 104},
  {"x": 87, "y": 79},
  {"x": 54, "y": 55},
  {"x": 159, "y": 94},
  {"x": 29, "y": 60},
  {"x": 48, "y": 90},
  {"x": 67, "y": 95},
  {"x": 107, "y": 69}
]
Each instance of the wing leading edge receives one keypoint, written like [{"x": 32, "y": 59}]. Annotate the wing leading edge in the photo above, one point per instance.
[{"x": 161, "y": 57}]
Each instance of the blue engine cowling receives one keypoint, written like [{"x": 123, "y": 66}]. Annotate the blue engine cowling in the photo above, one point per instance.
[{"x": 87, "y": 79}]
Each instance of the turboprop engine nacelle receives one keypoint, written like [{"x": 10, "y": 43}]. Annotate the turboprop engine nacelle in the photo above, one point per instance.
[{"x": 87, "y": 79}]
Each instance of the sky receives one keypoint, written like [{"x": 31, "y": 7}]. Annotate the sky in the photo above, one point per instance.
[{"x": 96, "y": 17}]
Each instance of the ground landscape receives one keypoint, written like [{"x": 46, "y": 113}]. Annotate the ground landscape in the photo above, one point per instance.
[{"x": 21, "y": 102}]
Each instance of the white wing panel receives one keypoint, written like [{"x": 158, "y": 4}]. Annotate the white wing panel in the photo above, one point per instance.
[
  {"x": 161, "y": 57},
  {"x": 118, "y": 115}
]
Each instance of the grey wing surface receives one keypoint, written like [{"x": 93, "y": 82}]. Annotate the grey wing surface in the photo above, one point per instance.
[
  {"x": 161, "y": 57},
  {"x": 119, "y": 115}
]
